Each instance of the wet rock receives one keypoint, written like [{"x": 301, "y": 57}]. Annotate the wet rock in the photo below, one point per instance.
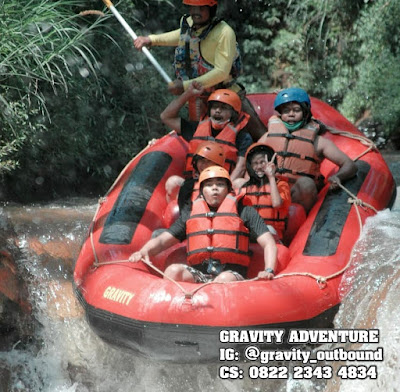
[
  {"x": 11, "y": 284},
  {"x": 4, "y": 378},
  {"x": 16, "y": 322},
  {"x": 55, "y": 251}
]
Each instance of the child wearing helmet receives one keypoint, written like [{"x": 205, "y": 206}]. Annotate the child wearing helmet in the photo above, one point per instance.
[
  {"x": 224, "y": 123},
  {"x": 206, "y": 52},
  {"x": 208, "y": 153},
  {"x": 218, "y": 228},
  {"x": 268, "y": 194},
  {"x": 297, "y": 138}
]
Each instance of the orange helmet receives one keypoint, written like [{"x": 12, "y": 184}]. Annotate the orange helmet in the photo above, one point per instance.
[
  {"x": 259, "y": 148},
  {"x": 227, "y": 96},
  {"x": 214, "y": 172},
  {"x": 212, "y": 151},
  {"x": 199, "y": 3}
]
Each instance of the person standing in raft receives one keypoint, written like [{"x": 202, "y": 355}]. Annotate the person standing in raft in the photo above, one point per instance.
[
  {"x": 269, "y": 195},
  {"x": 296, "y": 137},
  {"x": 218, "y": 231},
  {"x": 206, "y": 52},
  {"x": 224, "y": 124}
]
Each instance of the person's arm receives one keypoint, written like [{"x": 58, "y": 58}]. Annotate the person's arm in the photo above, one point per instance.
[
  {"x": 259, "y": 230},
  {"x": 154, "y": 246},
  {"x": 284, "y": 191},
  {"x": 141, "y": 41},
  {"x": 270, "y": 173},
  {"x": 239, "y": 169},
  {"x": 170, "y": 115},
  {"x": 170, "y": 38},
  {"x": 267, "y": 242},
  {"x": 243, "y": 142},
  {"x": 238, "y": 184},
  {"x": 347, "y": 168}
]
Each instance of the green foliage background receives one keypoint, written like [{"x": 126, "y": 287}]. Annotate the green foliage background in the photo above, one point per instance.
[{"x": 78, "y": 101}]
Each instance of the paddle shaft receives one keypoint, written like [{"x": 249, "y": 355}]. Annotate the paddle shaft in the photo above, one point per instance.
[{"x": 111, "y": 7}]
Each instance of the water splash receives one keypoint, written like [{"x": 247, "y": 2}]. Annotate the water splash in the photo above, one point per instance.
[{"x": 68, "y": 357}]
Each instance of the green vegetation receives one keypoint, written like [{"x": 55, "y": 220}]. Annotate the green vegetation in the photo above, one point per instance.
[{"x": 78, "y": 102}]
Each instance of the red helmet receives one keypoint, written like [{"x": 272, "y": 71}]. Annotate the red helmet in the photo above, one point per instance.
[
  {"x": 212, "y": 151},
  {"x": 214, "y": 172},
  {"x": 227, "y": 96},
  {"x": 199, "y": 3}
]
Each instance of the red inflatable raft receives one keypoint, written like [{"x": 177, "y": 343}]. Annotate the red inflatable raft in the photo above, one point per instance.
[{"x": 131, "y": 305}]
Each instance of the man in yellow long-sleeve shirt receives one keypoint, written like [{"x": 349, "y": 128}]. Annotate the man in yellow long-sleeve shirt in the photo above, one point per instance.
[{"x": 206, "y": 52}]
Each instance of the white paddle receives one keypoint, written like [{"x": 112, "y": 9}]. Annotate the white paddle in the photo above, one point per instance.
[{"x": 111, "y": 7}]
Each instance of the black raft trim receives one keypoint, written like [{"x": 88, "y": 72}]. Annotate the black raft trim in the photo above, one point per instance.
[
  {"x": 328, "y": 225},
  {"x": 131, "y": 204}
]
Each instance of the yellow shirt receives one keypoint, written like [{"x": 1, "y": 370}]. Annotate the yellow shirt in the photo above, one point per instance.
[{"x": 218, "y": 49}]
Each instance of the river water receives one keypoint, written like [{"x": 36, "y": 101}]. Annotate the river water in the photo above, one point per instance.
[{"x": 66, "y": 356}]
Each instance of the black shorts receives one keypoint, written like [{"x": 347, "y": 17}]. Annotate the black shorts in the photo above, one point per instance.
[{"x": 200, "y": 274}]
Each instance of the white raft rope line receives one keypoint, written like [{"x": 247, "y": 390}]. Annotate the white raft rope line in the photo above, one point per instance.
[
  {"x": 321, "y": 280},
  {"x": 362, "y": 139}
]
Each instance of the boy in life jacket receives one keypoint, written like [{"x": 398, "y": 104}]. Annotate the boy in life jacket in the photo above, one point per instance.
[
  {"x": 223, "y": 124},
  {"x": 269, "y": 195},
  {"x": 296, "y": 137},
  {"x": 218, "y": 232},
  {"x": 206, "y": 52}
]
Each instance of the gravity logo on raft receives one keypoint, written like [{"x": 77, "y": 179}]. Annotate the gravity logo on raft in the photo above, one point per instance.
[{"x": 117, "y": 295}]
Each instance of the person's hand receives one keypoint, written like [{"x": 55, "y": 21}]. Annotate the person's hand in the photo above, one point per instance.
[
  {"x": 137, "y": 256},
  {"x": 195, "y": 89},
  {"x": 266, "y": 275},
  {"x": 270, "y": 168},
  {"x": 176, "y": 87},
  {"x": 335, "y": 182},
  {"x": 141, "y": 41}
]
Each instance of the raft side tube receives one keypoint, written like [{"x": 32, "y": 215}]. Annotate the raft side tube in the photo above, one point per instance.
[
  {"x": 326, "y": 230},
  {"x": 131, "y": 204},
  {"x": 184, "y": 343}
]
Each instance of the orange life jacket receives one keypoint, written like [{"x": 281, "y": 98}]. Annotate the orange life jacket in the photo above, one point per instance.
[
  {"x": 295, "y": 150},
  {"x": 219, "y": 235},
  {"x": 260, "y": 199},
  {"x": 189, "y": 62},
  {"x": 226, "y": 137}
]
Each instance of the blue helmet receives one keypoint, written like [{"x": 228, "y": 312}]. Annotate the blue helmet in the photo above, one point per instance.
[{"x": 292, "y": 94}]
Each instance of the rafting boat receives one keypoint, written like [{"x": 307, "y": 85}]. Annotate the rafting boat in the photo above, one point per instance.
[{"x": 133, "y": 306}]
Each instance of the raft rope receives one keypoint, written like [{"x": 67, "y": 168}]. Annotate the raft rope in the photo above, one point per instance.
[
  {"x": 362, "y": 139},
  {"x": 321, "y": 280}
]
